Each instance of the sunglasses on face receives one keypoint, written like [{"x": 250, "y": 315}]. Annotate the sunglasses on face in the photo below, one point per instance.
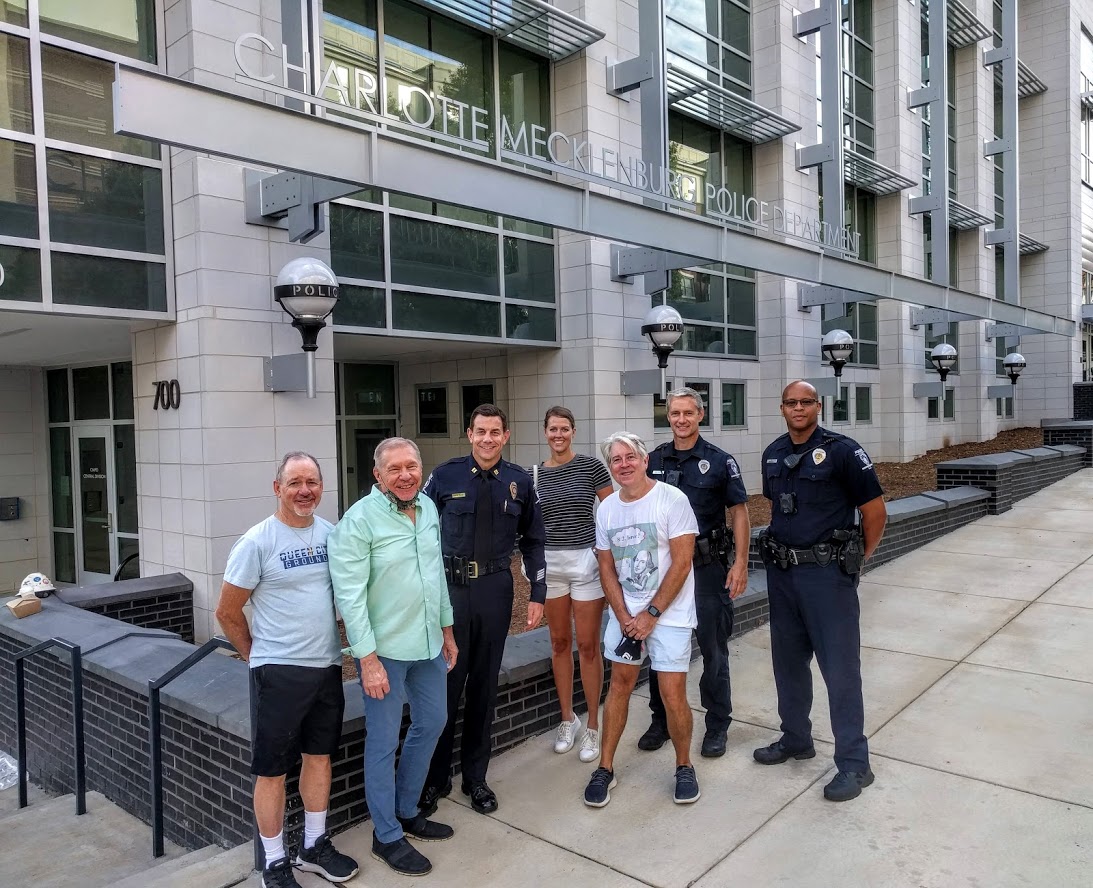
[{"x": 804, "y": 402}]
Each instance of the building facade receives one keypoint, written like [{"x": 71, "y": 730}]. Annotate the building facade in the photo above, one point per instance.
[{"x": 136, "y": 305}]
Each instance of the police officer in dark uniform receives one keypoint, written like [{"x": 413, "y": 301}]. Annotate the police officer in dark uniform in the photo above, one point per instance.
[
  {"x": 711, "y": 480},
  {"x": 817, "y": 482},
  {"x": 485, "y": 505}
]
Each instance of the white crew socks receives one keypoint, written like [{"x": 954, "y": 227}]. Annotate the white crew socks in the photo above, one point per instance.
[
  {"x": 274, "y": 848},
  {"x": 314, "y": 826}
]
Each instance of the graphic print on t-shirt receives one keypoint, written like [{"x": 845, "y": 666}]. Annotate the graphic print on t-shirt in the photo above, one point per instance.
[
  {"x": 634, "y": 550},
  {"x": 301, "y": 557}
]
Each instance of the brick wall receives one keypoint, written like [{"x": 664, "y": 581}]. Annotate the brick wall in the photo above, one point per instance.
[
  {"x": 1011, "y": 476},
  {"x": 1074, "y": 434},
  {"x": 1083, "y": 401},
  {"x": 161, "y": 602}
]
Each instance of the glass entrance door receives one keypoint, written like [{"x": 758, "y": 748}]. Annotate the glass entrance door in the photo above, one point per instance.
[{"x": 95, "y": 474}]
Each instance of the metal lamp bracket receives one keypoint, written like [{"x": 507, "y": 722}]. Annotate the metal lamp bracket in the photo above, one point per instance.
[{"x": 291, "y": 200}]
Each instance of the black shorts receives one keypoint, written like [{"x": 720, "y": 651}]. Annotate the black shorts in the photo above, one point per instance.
[{"x": 299, "y": 709}]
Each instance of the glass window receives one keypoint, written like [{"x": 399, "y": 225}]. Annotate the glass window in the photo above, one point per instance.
[
  {"x": 443, "y": 210},
  {"x": 128, "y": 546},
  {"x": 57, "y": 395},
  {"x": 733, "y": 405},
  {"x": 361, "y": 307},
  {"x": 860, "y": 321},
  {"x": 64, "y": 557},
  {"x": 121, "y": 377},
  {"x": 125, "y": 27},
  {"x": 15, "y": 106},
  {"x": 90, "y": 393},
  {"x": 109, "y": 283},
  {"x": 475, "y": 396},
  {"x": 1004, "y": 407},
  {"x": 740, "y": 342},
  {"x": 356, "y": 243},
  {"x": 736, "y": 26},
  {"x": 436, "y": 313},
  {"x": 104, "y": 203},
  {"x": 703, "y": 339},
  {"x": 660, "y": 412},
  {"x": 695, "y": 150},
  {"x": 529, "y": 270},
  {"x": 22, "y": 274},
  {"x": 60, "y": 465},
  {"x": 697, "y": 295},
  {"x": 125, "y": 477},
  {"x": 368, "y": 389},
  {"x": 841, "y": 407},
  {"x": 950, "y": 404},
  {"x": 699, "y": 14},
  {"x": 525, "y": 87},
  {"x": 535, "y": 229},
  {"x": 78, "y": 95},
  {"x": 863, "y": 403},
  {"x": 350, "y": 44},
  {"x": 428, "y": 254},
  {"x": 18, "y": 190},
  {"x": 525, "y": 322},
  {"x": 432, "y": 410},
  {"x": 741, "y": 303},
  {"x": 14, "y": 12}
]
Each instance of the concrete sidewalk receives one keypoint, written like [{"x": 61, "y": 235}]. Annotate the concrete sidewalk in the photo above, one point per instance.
[{"x": 978, "y": 672}]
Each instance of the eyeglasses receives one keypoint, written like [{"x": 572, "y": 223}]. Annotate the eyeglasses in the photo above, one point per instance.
[
  {"x": 804, "y": 402},
  {"x": 790, "y": 462}
]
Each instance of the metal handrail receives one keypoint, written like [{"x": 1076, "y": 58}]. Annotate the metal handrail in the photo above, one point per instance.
[
  {"x": 77, "y": 718},
  {"x": 155, "y": 751}
]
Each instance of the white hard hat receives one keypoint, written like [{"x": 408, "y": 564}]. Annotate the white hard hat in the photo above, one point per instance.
[{"x": 36, "y": 585}]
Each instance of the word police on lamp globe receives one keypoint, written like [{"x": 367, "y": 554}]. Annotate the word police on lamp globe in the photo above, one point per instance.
[
  {"x": 307, "y": 290},
  {"x": 663, "y": 325},
  {"x": 837, "y": 346},
  {"x": 1014, "y": 363},
  {"x": 943, "y": 357}
]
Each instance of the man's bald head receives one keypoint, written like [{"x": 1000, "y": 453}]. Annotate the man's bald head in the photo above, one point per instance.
[{"x": 808, "y": 392}]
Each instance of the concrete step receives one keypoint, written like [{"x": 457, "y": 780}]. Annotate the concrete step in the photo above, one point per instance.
[
  {"x": 211, "y": 867},
  {"x": 48, "y": 846},
  {"x": 9, "y": 799}
]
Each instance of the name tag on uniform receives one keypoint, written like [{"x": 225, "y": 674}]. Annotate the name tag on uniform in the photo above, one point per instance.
[
  {"x": 657, "y": 472},
  {"x": 458, "y": 495}
]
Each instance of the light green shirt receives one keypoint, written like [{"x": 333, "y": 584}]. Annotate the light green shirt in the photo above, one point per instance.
[{"x": 388, "y": 577}]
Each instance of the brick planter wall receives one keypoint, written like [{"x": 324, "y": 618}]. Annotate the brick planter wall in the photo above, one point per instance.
[
  {"x": 162, "y": 602},
  {"x": 1011, "y": 476},
  {"x": 1060, "y": 432}
]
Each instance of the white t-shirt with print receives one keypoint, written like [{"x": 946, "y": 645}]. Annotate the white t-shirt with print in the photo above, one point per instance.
[{"x": 637, "y": 534}]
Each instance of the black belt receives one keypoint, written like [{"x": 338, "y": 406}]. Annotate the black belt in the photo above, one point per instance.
[
  {"x": 786, "y": 556},
  {"x": 459, "y": 570}
]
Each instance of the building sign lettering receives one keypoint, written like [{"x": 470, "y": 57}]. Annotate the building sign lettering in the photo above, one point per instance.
[{"x": 168, "y": 395}]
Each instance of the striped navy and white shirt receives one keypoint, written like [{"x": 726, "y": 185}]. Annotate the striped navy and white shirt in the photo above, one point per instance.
[{"x": 568, "y": 497}]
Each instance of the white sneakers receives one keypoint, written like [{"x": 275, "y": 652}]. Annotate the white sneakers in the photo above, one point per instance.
[
  {"x": 567, "y": 735},
  {"x": 590, "y": 746}
]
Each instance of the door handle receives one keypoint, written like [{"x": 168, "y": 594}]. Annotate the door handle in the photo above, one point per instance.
[{"x": 109, "y": 522}]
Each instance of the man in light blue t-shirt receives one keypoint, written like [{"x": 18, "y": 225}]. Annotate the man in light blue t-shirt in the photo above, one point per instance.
[{"x": 292, "y": 644}]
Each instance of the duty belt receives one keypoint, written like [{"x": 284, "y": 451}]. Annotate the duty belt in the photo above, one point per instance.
[
  {"x": 786, "y": 556},
  {"x": 459, "y": 570}
]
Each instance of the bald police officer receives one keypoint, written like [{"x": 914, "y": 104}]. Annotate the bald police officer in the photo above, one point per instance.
[
  {"x": 818, "y": 482},
  {"x": 711, "y": 480}
]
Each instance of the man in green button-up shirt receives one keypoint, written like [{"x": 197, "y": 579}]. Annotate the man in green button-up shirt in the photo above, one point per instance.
[{"x": 388, "y": 575}]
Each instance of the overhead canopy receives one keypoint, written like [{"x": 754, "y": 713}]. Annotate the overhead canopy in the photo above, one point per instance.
[
  {"x": 1028, "y": 84},
  {"x": 532, "y": 24},
  {"x": 868, "y": 175},
  {"x": 962, "y": 27},
  {"x": 724, "y": 109},
  {"x": 1030, "y": 245},
  {"x": 964, "y": 218}
]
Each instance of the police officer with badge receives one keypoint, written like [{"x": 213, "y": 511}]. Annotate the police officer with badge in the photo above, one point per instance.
[
  {"x": 818, "y": 482},
  {"x": 711, "y": 480},
  {"x": 486, "y": 504}
]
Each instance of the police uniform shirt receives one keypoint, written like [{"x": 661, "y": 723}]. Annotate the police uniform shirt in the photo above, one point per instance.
[
  {"x": 708, "y": 475},
  {"x": 454, "y": 487},
  {"x": 833, "y": 478}
]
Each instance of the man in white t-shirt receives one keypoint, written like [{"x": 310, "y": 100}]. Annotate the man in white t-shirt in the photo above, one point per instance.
[
  {"x": 293, "y": 648},
  {"x": 645, "y": 538}
]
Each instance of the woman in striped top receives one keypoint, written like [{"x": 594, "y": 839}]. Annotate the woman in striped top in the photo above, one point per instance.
[{"x": 569, "y": 485}]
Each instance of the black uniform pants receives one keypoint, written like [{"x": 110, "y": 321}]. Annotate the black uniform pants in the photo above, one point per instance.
[
  {"x": 482, "y": 613},
  {"x": 715, "y": 618},
  {"x": 815, "y": 610}
]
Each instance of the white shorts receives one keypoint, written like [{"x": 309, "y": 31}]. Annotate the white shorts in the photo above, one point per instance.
[
  {"x": 668, "y": 647},
  {"x": 573, "y": 572}
]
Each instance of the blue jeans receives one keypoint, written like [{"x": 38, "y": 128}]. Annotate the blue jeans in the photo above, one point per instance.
[{"x": 422, "y": 684}]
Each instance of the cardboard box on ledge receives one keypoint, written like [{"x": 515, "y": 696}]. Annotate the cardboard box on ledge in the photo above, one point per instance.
[{"x": 24, "y": 607}]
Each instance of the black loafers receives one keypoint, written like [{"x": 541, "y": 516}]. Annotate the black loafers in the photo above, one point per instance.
[
  {"x": 431, "y": 796},
  {"x": 776, "y": 753},
  {"x": 482, "y": 797},
  {"x": 401, "y": 856},
  {"x": 425, "y": 830}
]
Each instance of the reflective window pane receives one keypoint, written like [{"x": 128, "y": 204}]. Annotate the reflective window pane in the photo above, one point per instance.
[
  {"x": 475, "y": 396},
  {"x": 733, "y": 408},
  {"x": 694, "y": 150},
  {"x": 14, "y": 12},
  {"x": 104, "y": 203},
  {"x": 121, "y": 378},
  {"x": 525, "y": 322},
  {"x": 446, "y": 314},
  {"x": 126, "y": 27},
  {"x": 536, "y": 229},
  {"x": 361, "y": 307},
  {"x": 127, "y": 546},
  {"x": 841, "y": 407},
  {"x": 703, "y": 339},
  {"x": 18, "y": 190},
  {"x": 78, "y": 95},
  {"x": 369, "y": 389},
  {"x": 125, "y": 477},
  {"x": 686, "y": 42},
  {"x": 863, "y": 403},
  {"x": 432, "y": 410},
  {"x": 109, "y": 283},
  {"x": 356, "y": 243},
  {"x": 741, "y": 302},
  {"x": 57, "y": 395},
  {"x": 349, "y": 44},
  {"x": 428, "y": 254},
  {"x": 699, "y": 14},
  {"x": 60, "y": 474},
  {"x": 90, "y": 393},
  {"x": 525, "y": 87},
  {"x": 696, "y": 295},
  {"x": 529, "y": 270},
  {"x": 22, "y": 274},
  {"x": 15, "y": 106},
  {"x": 443, "y": 210},
  {"x": 735, "y": 26},
  {"x": 64, "y": 557},
  {"x": 740, "y": 342}
]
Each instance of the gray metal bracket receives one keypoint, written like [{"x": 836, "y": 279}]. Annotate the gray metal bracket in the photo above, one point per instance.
[
  {"x": 928, "y": 390},
  {"x": 1087, "y": 314},
  {"x": 1002, "y": 390},
  {"x": 1006, "y": 331},
  {"x": 624, "y": 77},
  {"x": 291, "y": 200},
  {"x": 285, "y": 373},
  {"x": 994, "y": 236},
  {"x": 996, "y": 146},
  {"x": 932, "y": 316},
  {"x": 654, "y": 265},
  {"x": 924, "y": 95},
  {"x": 810, "y": 21},
  {"x": 822, "y": 294},
  {"x": 826, "y": 386},
  {"x": 644, "y": 382}
]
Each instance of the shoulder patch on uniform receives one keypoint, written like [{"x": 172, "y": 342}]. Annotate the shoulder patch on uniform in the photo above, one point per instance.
[
  {"x": 734, "y": 469},
  {"x": 703, "y": 466},
  {"x": 866, "y": 462}
]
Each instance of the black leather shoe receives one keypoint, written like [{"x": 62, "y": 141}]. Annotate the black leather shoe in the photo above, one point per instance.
[
  {"x": 776, "y": 753},
  {"x": 401, "y": 856},
  {"x": 483, "y": 799},
  {"x": 431, "y": 796},
  {"x": 847, "y": 785},
  {"x": 654, "y": 737},
  {"x": 713, "y": 744},
  {"x": 425, "y": 830}
]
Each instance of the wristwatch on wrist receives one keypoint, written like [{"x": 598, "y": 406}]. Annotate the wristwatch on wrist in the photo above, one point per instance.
[{"x": 653, "y": 611}]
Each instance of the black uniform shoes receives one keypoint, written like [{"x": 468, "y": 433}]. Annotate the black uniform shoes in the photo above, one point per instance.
[
  {"x": 482, "y": 797},
  {"x": 847, "y": 785},
  {"x": 776, "y": 753}
]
